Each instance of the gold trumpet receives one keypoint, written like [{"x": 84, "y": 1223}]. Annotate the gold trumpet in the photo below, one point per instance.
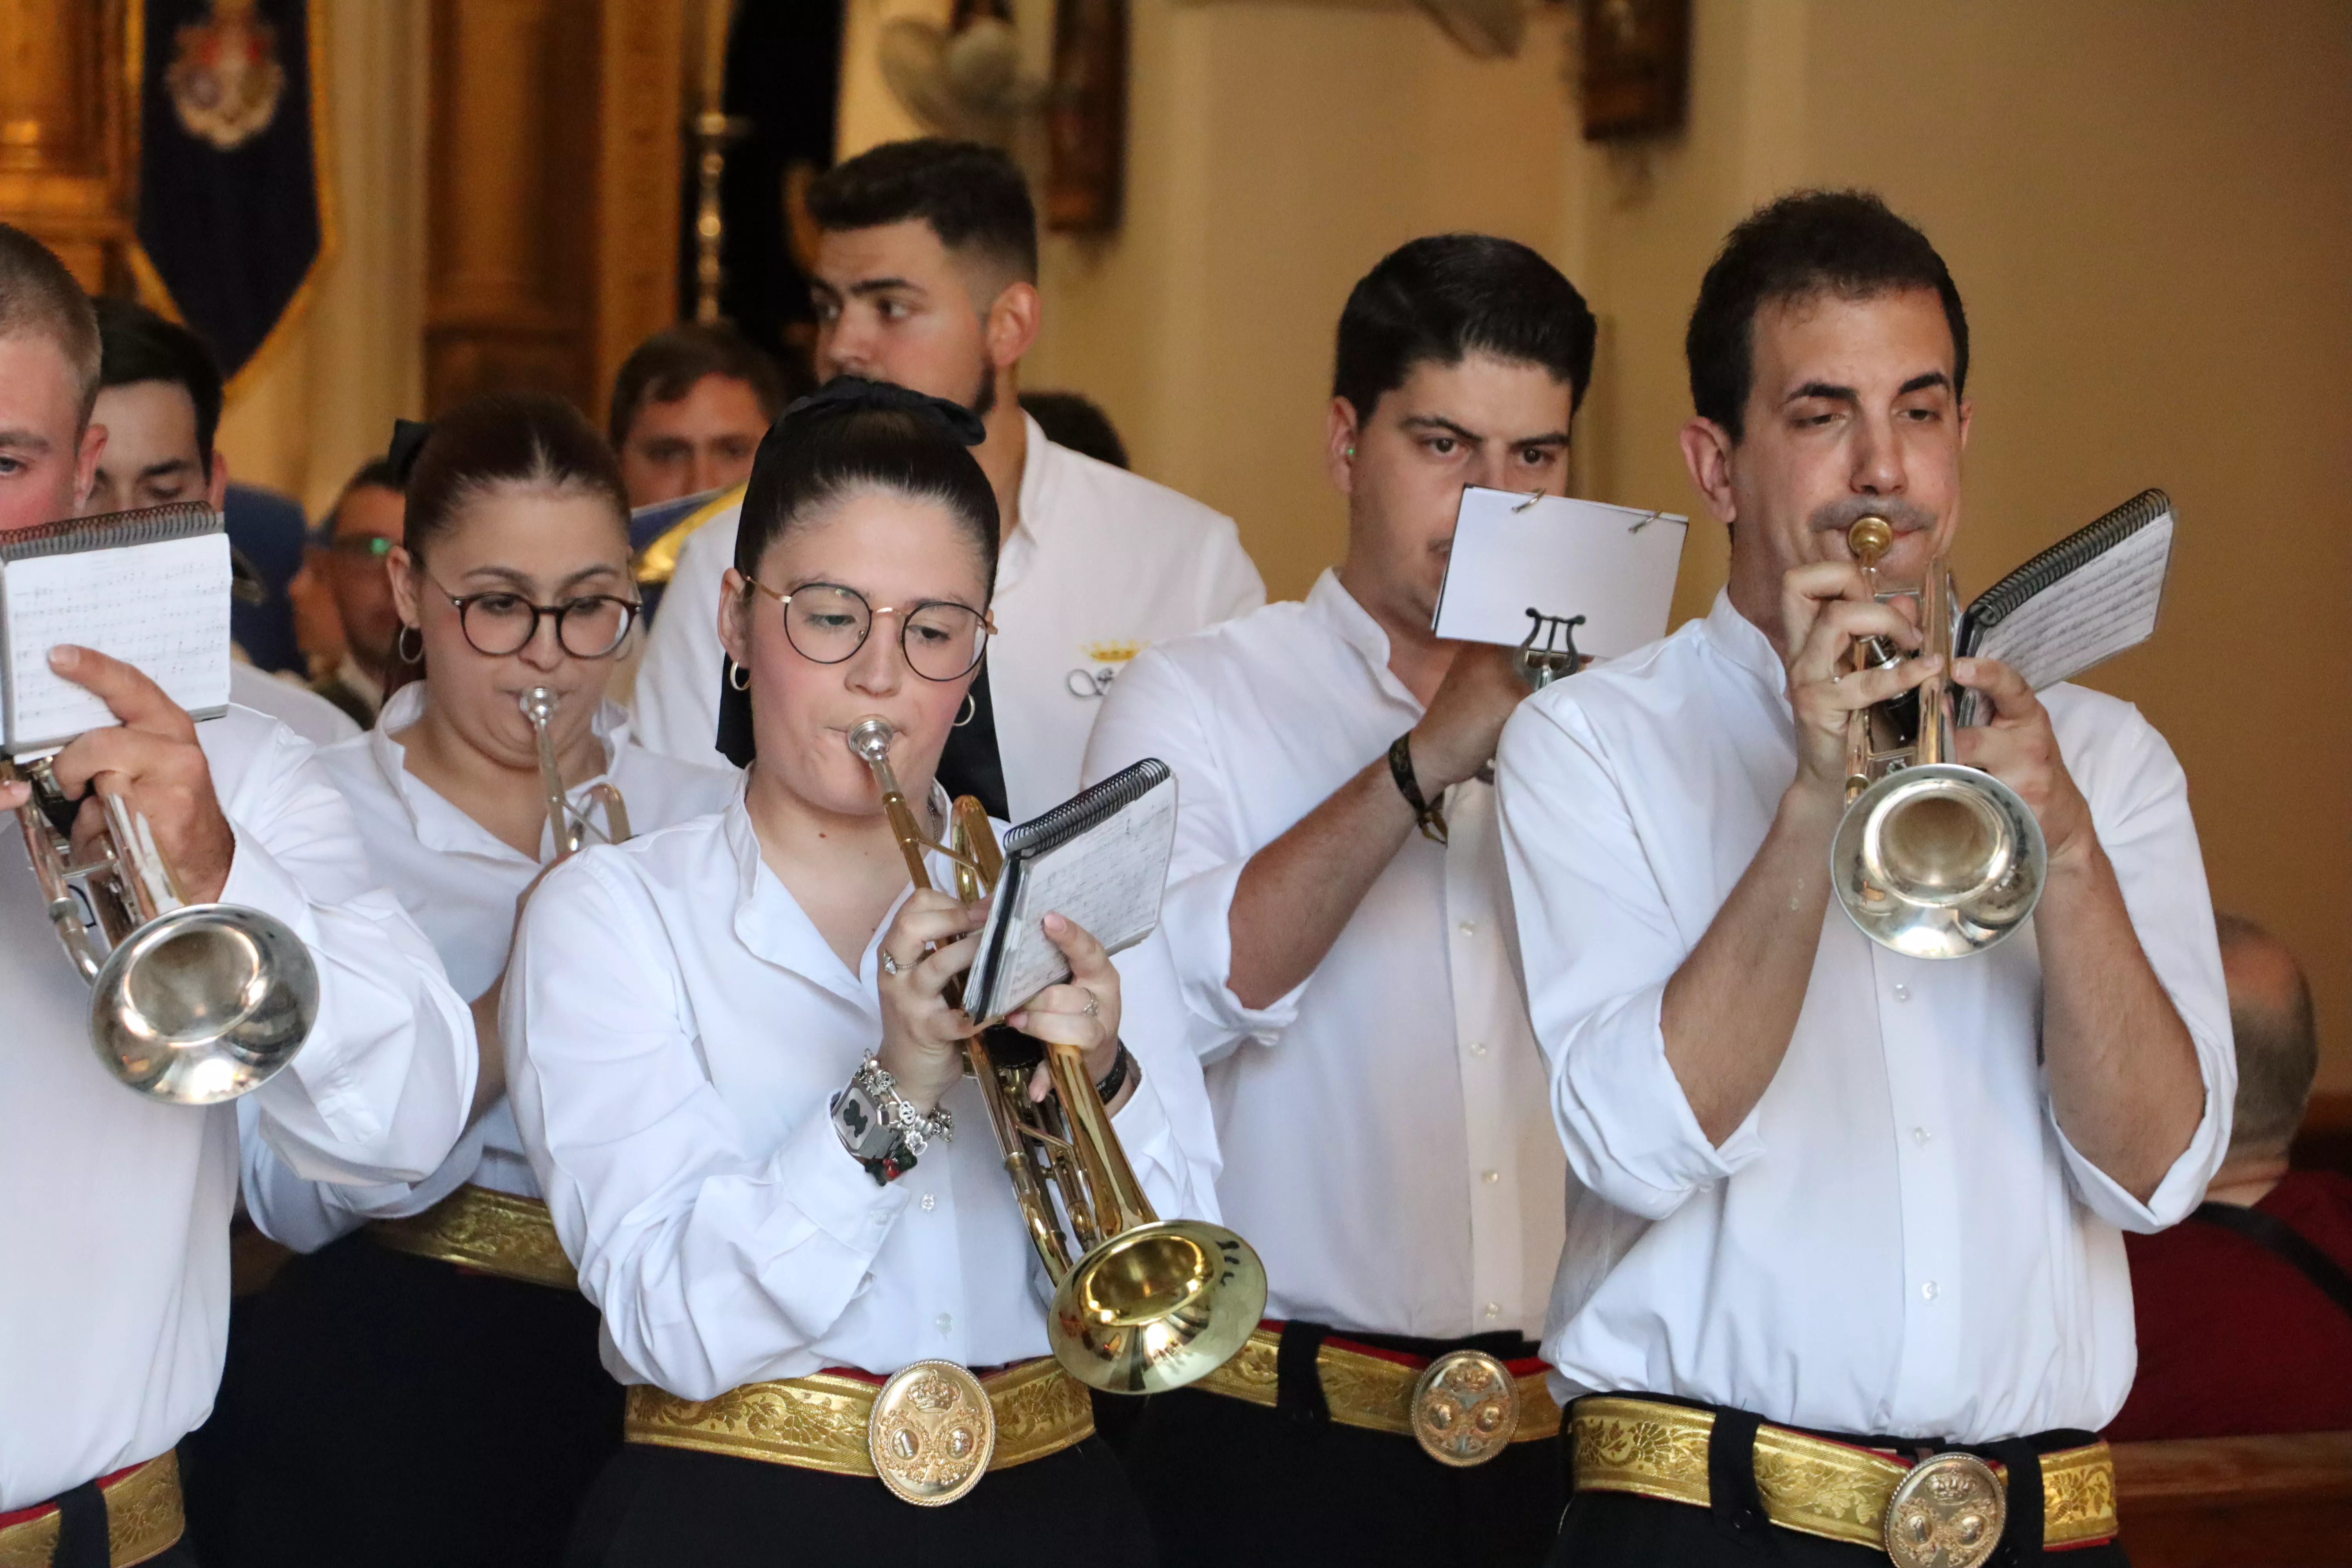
[
  {"x": 1149, "y": 1304},
  {"x": 192, "y": 1004},
  {"x": 570, "y": 825},
  {"x": 1932, "y": 859}
]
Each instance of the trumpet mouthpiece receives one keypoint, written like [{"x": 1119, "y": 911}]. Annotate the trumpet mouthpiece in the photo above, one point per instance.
[
  {"x": 870, "y": 738},
  {"x": 1870, "y": 538},
  {"x": 539, "y": 705}
]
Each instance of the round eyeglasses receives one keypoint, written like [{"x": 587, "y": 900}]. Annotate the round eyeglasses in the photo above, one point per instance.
[
  {"x": 499, "y": 623},
  {"x": 827, "y": 624}
]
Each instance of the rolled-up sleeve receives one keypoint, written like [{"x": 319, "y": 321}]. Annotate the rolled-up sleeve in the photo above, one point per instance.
[
  {"x": 1597, "y": 944},
  {"x": 709, "y": 1260},
  {"x": 1153, "y": 711},
  {"x": 379, "y": 1091},
  {"x": 2139, "y": 804}
]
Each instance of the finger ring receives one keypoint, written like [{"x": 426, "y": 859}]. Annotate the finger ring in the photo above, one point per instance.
[
  {"x": 890, "y": 964},
  {"x": 1094, "y": 1005}
]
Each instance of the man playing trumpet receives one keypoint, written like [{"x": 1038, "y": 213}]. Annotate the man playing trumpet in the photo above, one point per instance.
[{"x": 1835, "y": 1192}]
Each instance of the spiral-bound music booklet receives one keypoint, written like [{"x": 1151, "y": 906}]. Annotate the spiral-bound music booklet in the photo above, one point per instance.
[
  {"x": 2086, "y": 599},
  {"x": 150, "y": 587},
  {"x": 1100, "y": 859}
]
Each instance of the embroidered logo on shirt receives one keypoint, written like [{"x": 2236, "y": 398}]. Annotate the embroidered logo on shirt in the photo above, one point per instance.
[{"x": 1108, "y": 656}]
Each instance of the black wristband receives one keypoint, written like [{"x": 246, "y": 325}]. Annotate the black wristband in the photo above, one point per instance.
[
  {"x": 1430, "y": 819},
  {"x": 1115, "y": 1079}
]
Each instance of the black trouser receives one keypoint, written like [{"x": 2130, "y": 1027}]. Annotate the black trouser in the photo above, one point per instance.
[
  {"x": 674, "y": 1508},
  {"x": 382, "y": 1409},
  {"x": 1229, "y": 1482},
  {"x": 1608, "y": 1528}
]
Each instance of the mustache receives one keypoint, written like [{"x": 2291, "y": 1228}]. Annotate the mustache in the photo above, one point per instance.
[{"x": 1904, "y": 516}]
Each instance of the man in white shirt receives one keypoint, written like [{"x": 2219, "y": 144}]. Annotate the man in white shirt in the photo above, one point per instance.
[
  {"x": 114, "y": 1226},
  {"x": 159, "y": 401},
  {"x": 926, "y": 276},
  {"x": 1379, "y": 1096},
  {"x": 1830, "y": 1190}
]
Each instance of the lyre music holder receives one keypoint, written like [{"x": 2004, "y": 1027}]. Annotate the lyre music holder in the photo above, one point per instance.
[{"x": 1549, "y": 650}]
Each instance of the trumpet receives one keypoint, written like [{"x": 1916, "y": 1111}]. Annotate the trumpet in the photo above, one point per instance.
[
  {"x": 568, "y": 824},
  {"x": 190, "y": 1004},
  {"x": 1148, "y": 1304},
  {"x": 1932, "y": 859}
]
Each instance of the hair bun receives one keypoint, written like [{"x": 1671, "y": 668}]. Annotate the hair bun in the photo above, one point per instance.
[{"x": 854, "y": 394}]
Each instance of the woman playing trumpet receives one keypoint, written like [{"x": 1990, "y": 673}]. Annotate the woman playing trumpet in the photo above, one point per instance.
[
  {"x": 710, "y": 1025},
  {"x": 444, "y": 1354}
]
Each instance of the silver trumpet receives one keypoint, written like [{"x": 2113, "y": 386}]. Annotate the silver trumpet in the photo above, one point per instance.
[
  {"x": 570, "y": 825},
  {"x": 1932, "y": 859},
  {"x": 192, "y": 1004}
]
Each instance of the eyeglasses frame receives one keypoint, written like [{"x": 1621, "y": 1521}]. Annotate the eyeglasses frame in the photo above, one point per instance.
[
  {"x": 876, "y": 612},
  {"x": 460, "y": 602}
]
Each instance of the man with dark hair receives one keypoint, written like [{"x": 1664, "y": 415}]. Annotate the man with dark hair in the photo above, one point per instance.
[
  {"x": 356, "y": 542},
  {"x": 2245, "y": 1313},
  {"x": 114, "y": 1206},
  {"x": 1335, "y": 912},
  {"x": 689, "y": 405},
  {"x": 1828, "y": 1190},
  {"x": 927, "y": 275},
  {"x": 159, "y": 402}
]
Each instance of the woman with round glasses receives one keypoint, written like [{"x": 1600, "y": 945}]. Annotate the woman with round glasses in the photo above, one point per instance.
[
  {"x": 427, "y": 1390},
  {"x": 739, "y": 1076}
]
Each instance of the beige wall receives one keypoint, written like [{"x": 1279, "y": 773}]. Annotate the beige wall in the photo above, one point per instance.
[{"x": 2148, "y": 206}]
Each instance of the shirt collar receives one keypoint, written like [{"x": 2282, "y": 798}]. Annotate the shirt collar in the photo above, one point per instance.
[
  {"x": 1332, "y": 604},
  {"x": 1039, "y": 469},
  {"x": 1741, "y": 642},
  {"x": 438, "y": 822}
]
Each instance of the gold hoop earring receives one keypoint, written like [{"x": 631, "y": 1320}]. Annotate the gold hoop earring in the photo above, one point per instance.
[
  {"x": 970, "y": 709},
  {"x": 738, "y": 677}
]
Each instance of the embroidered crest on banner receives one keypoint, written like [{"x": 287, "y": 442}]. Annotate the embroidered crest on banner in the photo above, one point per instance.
[{"x": 226, "y": 82}]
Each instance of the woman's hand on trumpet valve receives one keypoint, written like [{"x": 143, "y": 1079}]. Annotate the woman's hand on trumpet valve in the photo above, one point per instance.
[
  {"x": 1826, "y": 607},
  {"x": 153, "y": 761},
  {"x": 922, "y": 1034},
  {"x": 1083, "y": 1011}
]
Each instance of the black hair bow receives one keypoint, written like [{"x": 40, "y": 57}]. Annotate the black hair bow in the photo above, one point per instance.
[
  {"x": 854, "y": 394},
  {"x": 407, "y": 439}
]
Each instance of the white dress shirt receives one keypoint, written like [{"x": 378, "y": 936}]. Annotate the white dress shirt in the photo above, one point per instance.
[
  {"x": 297, "y": 708},
  {"x": 675, "y": 1030},
  {"x": 114, "y": 1208},
  {"x": 1385, "y": 1144},
  {"x": 1103, "y": 564},
  {"x": 1898, "y": 1238},
  {"x": 459, "y": 881}
]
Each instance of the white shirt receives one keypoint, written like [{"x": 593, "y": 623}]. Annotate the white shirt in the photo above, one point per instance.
[
  {"x": 1385, "y": 1144},
  {"x": 675, "y": 1030},
  {"x": 1898, "y": 1238},
  {"x": 114, "y": 1208},
  {"x": 459, "y": 882},
  {"x": 297, "y": 708},
  {"x": 1103, "y": 564}
]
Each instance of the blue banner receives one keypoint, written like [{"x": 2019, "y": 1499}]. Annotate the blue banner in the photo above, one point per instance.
[{"x": 234, "y": 217}]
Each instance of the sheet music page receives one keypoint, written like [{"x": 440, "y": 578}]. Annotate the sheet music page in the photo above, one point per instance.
[
  {"x": 2093, "y": 613},
  {"x": 162, "y": 607},
  {"x": 1109, "y": 879},
  {"x": 1614, "y": 566}
]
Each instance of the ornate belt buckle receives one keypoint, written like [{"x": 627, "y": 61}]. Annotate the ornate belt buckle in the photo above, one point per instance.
[
  {"x": 1947, "y": 1513},
  {"x": 1464, "y": 1408},
  {"x": 932, "y": 1432}
]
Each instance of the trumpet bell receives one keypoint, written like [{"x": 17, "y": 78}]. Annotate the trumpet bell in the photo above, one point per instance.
[
  {"x": 203, "y": 1003},
  {"x": 1157, "y": 1307},
  {"x": 1938, "y": 861}
]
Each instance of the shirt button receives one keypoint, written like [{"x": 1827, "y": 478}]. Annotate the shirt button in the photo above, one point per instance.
[
  {"x": 946, "y": 1323},
  {"x": 1494, "y": 1309},
  {"x": 1919, "y": 1136},
  {"x": 1929, "y": 1291},
  {"x": 1490, "y": 1177},
  {"x": 930, "y": 1202},
  {"x": 1469, "y": 928},
  {"x": 1477, "y": 1047},
  {"x": 1902, "y": 991}
]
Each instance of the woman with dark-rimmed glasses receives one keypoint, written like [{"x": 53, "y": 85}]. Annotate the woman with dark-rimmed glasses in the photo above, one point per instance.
[
  {"x": 739, "y": 1073},
  {"x": 426, "y": 1390}
]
